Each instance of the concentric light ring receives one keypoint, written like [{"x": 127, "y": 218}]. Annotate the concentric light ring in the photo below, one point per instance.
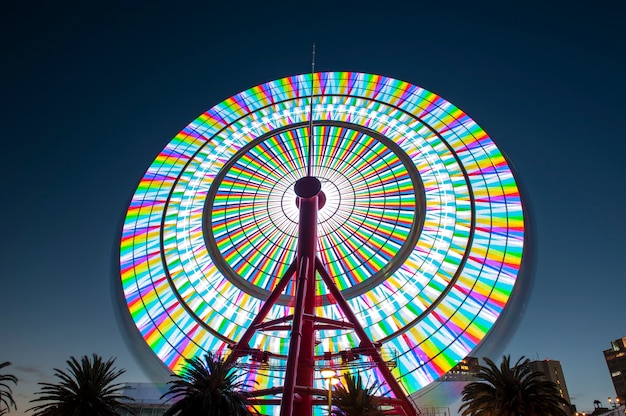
[{"x": 238, "y": 204}]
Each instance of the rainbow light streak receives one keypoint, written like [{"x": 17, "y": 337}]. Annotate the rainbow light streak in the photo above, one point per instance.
[{"x": 245, "y": 154}]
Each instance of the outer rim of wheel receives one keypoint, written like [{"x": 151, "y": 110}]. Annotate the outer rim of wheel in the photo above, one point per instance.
[{"x": 435, "y": 316}]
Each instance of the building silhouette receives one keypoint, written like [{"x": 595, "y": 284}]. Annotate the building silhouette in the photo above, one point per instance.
[
  {"x": 552, "y": 371},
  {"x": 616, "y": 362}
]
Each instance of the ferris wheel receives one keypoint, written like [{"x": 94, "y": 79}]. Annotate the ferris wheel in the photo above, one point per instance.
[{"x": 332, "y": 219}]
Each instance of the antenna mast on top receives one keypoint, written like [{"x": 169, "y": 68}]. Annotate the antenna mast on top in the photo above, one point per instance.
[{"x": 310, "y": 152}]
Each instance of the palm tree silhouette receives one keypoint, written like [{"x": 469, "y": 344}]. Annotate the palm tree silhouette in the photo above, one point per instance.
[
  {"x": 511, "y": 391},
  {"x": 87, "y": 388},
  {"x": 208, "y": 387},
  {"x": 6, "y": 394},
  {"x": 354, "y": 398}
]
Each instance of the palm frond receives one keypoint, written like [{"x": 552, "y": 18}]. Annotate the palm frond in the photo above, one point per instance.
[
  {"x": 6, "y": 393},
  {"x": 511, "y": 390},
  {"x": 354, "y": 398},
  {"x": 87, "y": 387},
  {"x": 209, "y": 387}
]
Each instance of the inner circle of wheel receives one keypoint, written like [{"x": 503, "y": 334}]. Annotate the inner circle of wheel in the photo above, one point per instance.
[{"x": 355, "y": 290}]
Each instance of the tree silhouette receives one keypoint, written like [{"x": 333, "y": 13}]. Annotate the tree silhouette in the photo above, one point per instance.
[
  {"x": 87, "y": 388},
  {"x": 511, "y": 391},
  {"x": 6, "y": 394},
  {"x": 354, "y": 398},
  {"x": 208, "y": 387}
]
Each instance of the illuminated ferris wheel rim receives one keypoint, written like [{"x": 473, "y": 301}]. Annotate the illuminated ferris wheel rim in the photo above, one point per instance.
[{"x": 455, "y": 307}]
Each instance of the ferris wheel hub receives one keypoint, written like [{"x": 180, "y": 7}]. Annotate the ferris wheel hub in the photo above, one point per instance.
[{"x": 307, "y": 187}]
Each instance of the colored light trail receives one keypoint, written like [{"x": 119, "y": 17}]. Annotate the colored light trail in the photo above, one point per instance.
[{"x": 423, "y": 229}]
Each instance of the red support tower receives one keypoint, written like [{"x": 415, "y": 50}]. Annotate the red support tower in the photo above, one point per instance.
[{"x": 298, "y": 391}]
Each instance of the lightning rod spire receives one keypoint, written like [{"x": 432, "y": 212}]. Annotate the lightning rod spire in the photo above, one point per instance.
[{"x": 310, "y": 152}]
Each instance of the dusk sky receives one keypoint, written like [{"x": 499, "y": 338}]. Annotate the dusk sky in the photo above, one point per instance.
[{"x": 92, "y": 91}]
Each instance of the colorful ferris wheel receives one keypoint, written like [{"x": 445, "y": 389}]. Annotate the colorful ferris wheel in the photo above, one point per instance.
[{"x": 392, "y": 210}]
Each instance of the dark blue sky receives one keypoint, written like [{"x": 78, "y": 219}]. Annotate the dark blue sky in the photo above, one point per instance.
[{"x": 92, "y": 91}]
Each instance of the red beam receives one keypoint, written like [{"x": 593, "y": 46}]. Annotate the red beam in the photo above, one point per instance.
[
  {"x": 293, "y": 367},
  {"x": 242, "y": 345},
  {"x": 365, "y": 341},
  {"x": 267, "y": 324},
  {"x": 333, "y": 322}
]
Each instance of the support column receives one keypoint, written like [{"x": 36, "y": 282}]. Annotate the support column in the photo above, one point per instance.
[{"x": 301, "y": 359}]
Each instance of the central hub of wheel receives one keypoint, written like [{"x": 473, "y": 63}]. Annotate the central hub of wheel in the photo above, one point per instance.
[{"x": 307, "y": 187}]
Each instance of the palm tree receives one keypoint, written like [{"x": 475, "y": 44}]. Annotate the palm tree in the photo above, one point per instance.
[
  {"x": 6, "y": 394},
  {"x": 511, "y": 391},
  {"x": 208, "y": 387},
  {"x": 353, "y": 398},
  {"x": 86, "y": 389}
]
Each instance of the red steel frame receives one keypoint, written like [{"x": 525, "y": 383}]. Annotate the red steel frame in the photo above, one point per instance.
[{"x": 298, "y": 392}]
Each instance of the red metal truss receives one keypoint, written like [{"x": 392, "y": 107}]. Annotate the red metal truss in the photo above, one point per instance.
[{"x": 298, "y": 394}]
